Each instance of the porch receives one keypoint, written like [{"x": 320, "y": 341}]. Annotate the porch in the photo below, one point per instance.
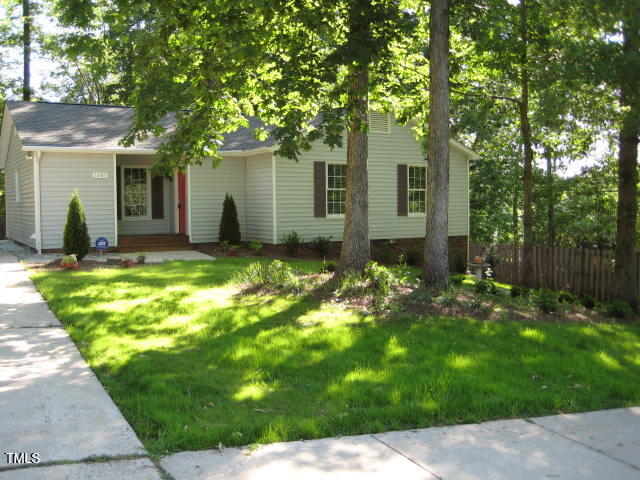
[
  {"x": 151, "y": 209},
  {"x": 153, "y": 243}
]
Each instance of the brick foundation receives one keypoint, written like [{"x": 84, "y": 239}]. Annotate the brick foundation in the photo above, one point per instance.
[{"x": 383, "y": 251}]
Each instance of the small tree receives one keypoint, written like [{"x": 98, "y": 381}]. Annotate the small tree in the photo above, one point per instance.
[
  {"x": 229, "y": 225},
  {"x": 76, "y": 238}
]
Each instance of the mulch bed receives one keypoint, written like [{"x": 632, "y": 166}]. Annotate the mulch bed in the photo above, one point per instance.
[{"x": 83, "y": 265}]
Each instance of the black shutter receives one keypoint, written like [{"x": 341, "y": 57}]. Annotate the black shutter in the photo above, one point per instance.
[
  {"x": 157, "y": 197},
  {"x": 403, "y": 200},
  {"x": 319, "y": 189},
  {"x": 119, "y": 192}
]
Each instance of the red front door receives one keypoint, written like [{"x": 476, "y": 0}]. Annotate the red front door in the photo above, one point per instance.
[{"x": 182, "y": 203}]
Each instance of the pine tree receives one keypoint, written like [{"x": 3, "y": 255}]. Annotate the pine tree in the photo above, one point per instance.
[
  {"x": 229, "y": 225},
  {"x": 76, "y": 238}
]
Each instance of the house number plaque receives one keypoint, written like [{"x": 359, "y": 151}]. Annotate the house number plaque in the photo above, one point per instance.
[{"x": 100, "y": 174}]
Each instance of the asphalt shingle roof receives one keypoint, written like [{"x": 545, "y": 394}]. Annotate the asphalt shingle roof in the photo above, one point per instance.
[{"x": 69, "y": 125}]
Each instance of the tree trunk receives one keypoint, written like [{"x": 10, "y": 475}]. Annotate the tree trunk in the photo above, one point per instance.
[
  {"x": 525, "y": 130},
  {"x": 551, "y": 225},
  {"x": 355, "y": 252},
  {"x": 625, "y": 273},
  {"x": 436, "y": 256},
  {"x": 516, "y": 236},
  {"x": 26, "y": 50}
]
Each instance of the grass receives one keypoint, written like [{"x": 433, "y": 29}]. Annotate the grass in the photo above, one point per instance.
[{"x": 192, "y": 364}]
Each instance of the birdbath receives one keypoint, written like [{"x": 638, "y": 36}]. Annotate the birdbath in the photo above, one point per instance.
[{"x": 477, "y": 266}]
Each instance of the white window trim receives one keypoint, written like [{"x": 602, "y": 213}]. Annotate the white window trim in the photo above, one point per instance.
[
  {"x": 16, "y": 177},
  {"x": 417, "y": 214},
  {"x": 326, "y": 191},
  {"x": 148, "y": 215}
]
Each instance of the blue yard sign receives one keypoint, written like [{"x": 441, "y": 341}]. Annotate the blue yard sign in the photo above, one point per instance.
[{"x": 102, "y": 244}]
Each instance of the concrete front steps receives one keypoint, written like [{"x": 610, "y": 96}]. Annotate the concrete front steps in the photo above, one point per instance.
[{"x": 153, "y": 243}]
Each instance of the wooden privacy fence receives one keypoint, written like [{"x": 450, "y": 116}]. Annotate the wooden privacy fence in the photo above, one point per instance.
[{"x": 583, "y": 271}]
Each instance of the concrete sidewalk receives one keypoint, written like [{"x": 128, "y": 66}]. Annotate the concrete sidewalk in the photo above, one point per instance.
[
  {"x": 51, "y": 403},
  {"x": 595, "y": 445}
]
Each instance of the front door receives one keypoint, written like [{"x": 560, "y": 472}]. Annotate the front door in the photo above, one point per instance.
[{"x": 182, "y": 203}]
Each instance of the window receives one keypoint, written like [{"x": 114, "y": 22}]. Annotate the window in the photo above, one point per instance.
[
  {"x": 336, "y": 188},
  {"x": 417, "y": 189},
  {"x": 16, "y": 177},
  {"x": 135, "y": 192}
]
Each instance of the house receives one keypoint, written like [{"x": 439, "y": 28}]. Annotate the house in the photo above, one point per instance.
[{"x": 48, "y": 149}]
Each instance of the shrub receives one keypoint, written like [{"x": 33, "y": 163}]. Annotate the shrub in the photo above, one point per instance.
[
  {"x": 328, "y": 266},
  {"x": 76, "y": 238},
  {"x": 127, "y": 260},
  {"x": 519, "y": 291},
  {"x": 321, "y": 245},
  {"x": 254, "y": 274},
  {"x": 448, "y": 297},
  {"x": 485, "y": 286},
  {"x": 229, "y": 225},
  {"x": 292, "y": 243},
  {"x": 588, "y": 302},
  {"x": 457, "y": 279},
  {"x": 225, "y": 246},
  {"x": 352, "y": 283},
  {"x": 69, "y": 262},
  {"x": 618, "y": 308},
  {"x": 277, "y": 275},
  {"x": 566, "y": 297},
  {"x": 381, "y": 278},
  {"x": 477, "y": 306},
  {"x": 280, "y": 275},
  {"x": 421, "y": 295},
  {"x": 546, "y": 300},
  {"x": 256, "y": 247}
]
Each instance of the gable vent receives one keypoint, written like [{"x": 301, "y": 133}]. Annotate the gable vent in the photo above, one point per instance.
[{"x": 379, "y": 122}]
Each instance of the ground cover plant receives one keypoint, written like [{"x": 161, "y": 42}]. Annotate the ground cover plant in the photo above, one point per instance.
[{"x": 196, "y": 357}]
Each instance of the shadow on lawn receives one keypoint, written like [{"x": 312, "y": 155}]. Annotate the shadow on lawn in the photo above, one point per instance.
[{"x": 252, "y": 371}]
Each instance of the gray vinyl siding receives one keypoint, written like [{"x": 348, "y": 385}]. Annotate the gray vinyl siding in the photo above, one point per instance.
[
  {"x": 21, "y": 224},
  {"x": 208, "y": 188},
  {"x": 294, "y": 187},
  {"x": 260, "y": 198},
  {"x": 60, "y": 174},
  {"x": 151, "y": 226}
]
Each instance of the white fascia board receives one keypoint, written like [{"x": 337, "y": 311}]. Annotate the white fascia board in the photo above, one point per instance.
[
  {"x": 462, "y": 148},
  {"x": 246, "y": 153},
  {"x": 45, "y": 148},
  {"x": 139, "y": 151},
  {"x": 455, "y": 144}
]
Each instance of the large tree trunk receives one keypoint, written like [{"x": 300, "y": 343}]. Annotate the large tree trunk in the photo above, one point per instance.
[
  {"x": 516, "y": 235},
  {"x": 355, "y": 252},
  {"x": 436, "y": 256},
  {"x": 551, "y": 223},
  {"x": 525, "y": 130},
  {"x": 26, "y": 50},
  {"x": 625, "y": 273}
]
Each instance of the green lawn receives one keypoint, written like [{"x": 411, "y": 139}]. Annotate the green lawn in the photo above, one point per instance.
[{"x": 192, "y": 364}]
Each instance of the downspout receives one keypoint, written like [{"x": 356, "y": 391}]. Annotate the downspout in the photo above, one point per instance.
[
  {"x": 189, "y": 232},
  {"x": 115, "y": 200},
  {"x": 273, "y": 198},
  {"x": 36, "y": 193}
]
